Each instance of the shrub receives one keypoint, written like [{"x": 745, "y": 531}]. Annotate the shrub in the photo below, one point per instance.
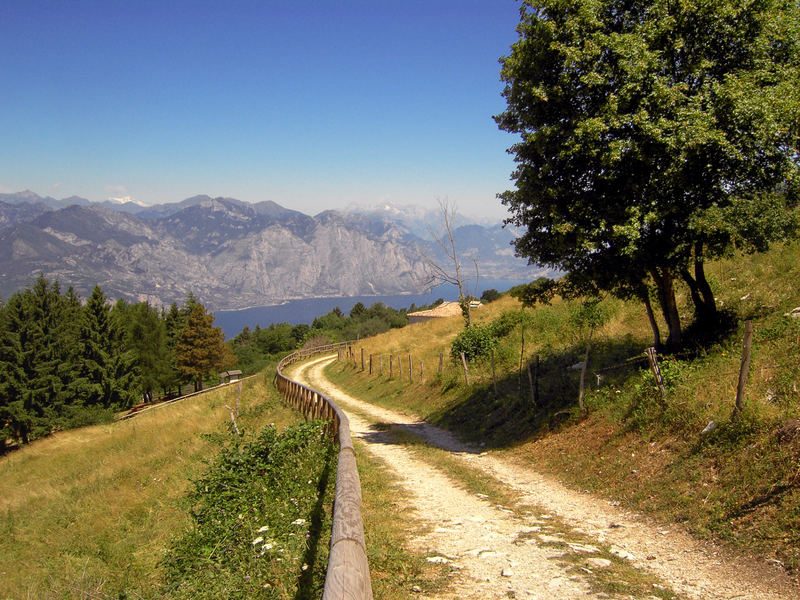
[
  {"x": 490, "y": 296},
  {"x": 502, "y": 325},
  {"x": 474, "y": 341},
  {"x": 259, "y": 514}
]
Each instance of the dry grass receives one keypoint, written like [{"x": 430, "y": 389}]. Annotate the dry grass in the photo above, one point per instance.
[{"x": 87, "y": 513}]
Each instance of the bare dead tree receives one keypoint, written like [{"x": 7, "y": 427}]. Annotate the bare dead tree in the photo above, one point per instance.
[{"x": 452, "y": 272}]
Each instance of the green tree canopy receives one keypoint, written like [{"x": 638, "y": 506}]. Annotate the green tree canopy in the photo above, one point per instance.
[
  {"x": 104, "y": 373},
  {"x": 37, "y": 360},
  {"x": 146, "y": 338},
  {"x": 655, "y": 134}
]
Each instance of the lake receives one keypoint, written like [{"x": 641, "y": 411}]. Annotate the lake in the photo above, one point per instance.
[{"x": 306, "y": 310}]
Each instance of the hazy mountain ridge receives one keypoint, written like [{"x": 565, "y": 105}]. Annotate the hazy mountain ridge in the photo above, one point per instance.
[{"x": 230, "y": 253}]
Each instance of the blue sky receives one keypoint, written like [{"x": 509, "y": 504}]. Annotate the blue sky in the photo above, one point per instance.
[{"x": 313, "y": 105}]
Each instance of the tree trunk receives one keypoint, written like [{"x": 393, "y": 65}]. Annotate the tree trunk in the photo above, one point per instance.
[
  {"x": 705, "y": 289},
  {"x": 665, "y": 284},
  {"x": 703, "y": 298},
  {"x": 694, "y": 292},
  {"x": 651, "y": 317},
  {"x": 521, "y": 357},
  {"x": 466, "y": 311}
]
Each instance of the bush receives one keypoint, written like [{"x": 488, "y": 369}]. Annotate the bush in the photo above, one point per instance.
[
  {"x": 490, "y": 296},
  {"x": 502, "y": 325},
  {"x": 474, "y": 341},
  {"x": 259, "y": 515}
]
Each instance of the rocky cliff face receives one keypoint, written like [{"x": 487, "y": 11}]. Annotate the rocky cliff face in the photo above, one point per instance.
[{"x": 228, "y": 253}]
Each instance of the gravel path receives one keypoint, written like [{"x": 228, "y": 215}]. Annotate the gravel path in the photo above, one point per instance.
[{"x": 497, "y": 553}]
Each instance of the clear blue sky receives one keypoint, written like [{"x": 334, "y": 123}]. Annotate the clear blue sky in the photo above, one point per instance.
[{"x": 313, "y": 105}]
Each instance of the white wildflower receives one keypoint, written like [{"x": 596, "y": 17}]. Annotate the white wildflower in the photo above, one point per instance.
[
  {"x": 299, "y": 522},
  {"x": 258, "y": 540},
  {"x": 263, "y": 529}
]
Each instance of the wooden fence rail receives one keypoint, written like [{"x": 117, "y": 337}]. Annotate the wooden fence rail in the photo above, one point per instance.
[{"x": 348, "y": 572}]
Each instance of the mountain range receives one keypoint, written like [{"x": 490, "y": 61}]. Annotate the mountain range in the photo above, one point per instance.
[{"x": 232, "y": 254}]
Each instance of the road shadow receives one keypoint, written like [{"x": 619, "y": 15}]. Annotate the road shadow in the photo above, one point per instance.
[{"x": 404, "y": 434}]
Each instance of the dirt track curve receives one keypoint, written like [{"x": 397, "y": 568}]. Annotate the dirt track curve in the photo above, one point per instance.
[{"x": 495, "y": 552}]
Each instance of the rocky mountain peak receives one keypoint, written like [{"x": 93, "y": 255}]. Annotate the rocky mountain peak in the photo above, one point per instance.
[{"x": 231, "y": 254}]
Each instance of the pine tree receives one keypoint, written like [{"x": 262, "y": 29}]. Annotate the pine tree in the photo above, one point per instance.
[
  {"x": 13, "y": 422},
  {"x": 200, "y": 348},
  {"x": 36, "y": 360},
  {"x": 105, "y": 372},
  {"x": 146, "y": 338}
]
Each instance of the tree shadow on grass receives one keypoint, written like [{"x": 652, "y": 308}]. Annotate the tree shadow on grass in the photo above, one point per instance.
[
  {"x": 511, "y": 416},
  {"x": 700, "y": 335}
]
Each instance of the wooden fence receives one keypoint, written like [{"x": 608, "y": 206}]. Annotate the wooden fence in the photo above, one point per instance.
[{"x": 348, "y": 572}]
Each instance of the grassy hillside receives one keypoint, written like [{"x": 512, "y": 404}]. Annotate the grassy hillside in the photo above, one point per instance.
[
  {"x": 90, "y": 512},
  {"x": 104, "y": 511},
  {"x": 739, "y": 482}
]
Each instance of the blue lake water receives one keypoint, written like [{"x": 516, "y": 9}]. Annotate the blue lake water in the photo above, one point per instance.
[{"x": 305, "y": 311}]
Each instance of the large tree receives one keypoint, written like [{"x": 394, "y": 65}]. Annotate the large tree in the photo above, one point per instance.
[
  {"x": 146, "y": 338},
  {"x": 37, "y": 359},
  {"x": 200, "y": 346},
  {"x": 104, "y": 375},
  {"x": 655, "y": 134}
]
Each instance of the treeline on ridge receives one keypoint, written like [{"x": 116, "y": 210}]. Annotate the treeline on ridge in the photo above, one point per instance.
[{"x": 64, "y": 363}]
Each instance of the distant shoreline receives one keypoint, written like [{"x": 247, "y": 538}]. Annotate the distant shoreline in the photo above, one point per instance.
[{"x": 305, "y": 310}]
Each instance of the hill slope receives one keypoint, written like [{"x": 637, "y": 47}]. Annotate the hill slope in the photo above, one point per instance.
[{"x": 739, "y": 482}]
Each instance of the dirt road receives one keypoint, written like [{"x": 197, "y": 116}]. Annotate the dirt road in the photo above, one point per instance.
[{"x": 556, "y": 543}]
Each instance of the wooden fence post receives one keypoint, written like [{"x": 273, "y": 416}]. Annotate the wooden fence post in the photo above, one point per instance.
[
  {"x": 744, "y": 368},
  {"x": 530, "y": 383},
  {"x": 583, "y": 380},
  {"x": 494, "y": 379},
  {"x": 399, "y": 368},
  {"x": 410, "y": 369},
  {"x": 653, "y": 360},
  {"x": 466, "y": 372},
  {"x": 362, "y": 360},
  {"x": 421, "y": 371},
  {"x": 391, "y": 369},
  {"x": 370, "y": 364}
]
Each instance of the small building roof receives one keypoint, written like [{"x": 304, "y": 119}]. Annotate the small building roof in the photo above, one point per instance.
[{"x": 229, "y": 373}]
